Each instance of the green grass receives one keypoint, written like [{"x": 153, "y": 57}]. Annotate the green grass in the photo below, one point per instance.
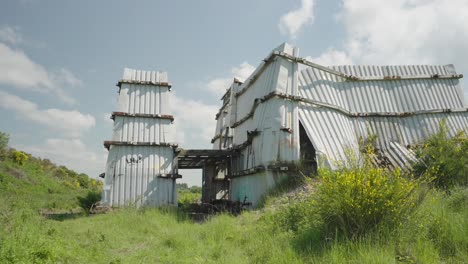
[{"x": 287, "y": 229}]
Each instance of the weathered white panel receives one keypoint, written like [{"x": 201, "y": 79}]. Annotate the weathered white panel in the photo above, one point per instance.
[
  {"x": 144, "y": 99},
  {"x": 254, "y": 186},
  {"x": 143, "y": 129},
  {"x": 383, "y": 96},
  {"x": 275, "y": 119},
  {"x": 136, "y": 176}
]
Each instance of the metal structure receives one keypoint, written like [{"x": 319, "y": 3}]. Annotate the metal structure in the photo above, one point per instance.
[
  {"x": 292, "y": 112},
  {"x": 140, "y": 168}
]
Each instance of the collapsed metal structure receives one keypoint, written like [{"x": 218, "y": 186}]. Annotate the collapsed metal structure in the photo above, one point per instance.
[{"x": 294, "y": 113}]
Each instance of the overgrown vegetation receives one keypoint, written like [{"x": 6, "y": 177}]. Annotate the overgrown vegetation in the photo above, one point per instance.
[
  {"x": 354, "y": 215},
  {"x": 444, "y": 159},
  {"x": 188, "y": 195}
]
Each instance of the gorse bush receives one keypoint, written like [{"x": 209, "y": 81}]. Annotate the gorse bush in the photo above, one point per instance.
[
  {"x": 444, "y": 159},
  {"x": 19, "y": 157},
  {"x": 354, "y": 201}
]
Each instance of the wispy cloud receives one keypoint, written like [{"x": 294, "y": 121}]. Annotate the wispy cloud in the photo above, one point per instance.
[
  {"x": 70, "y": 123},
  {"x": 195, "y": 121},
  {"x": 9, "y": 34},
  {"x": 332, "y": 57},
  {"x": 218, "y": 86},
  {"x": 292, "y": 22},
  {"x": 19, "y": 71}
]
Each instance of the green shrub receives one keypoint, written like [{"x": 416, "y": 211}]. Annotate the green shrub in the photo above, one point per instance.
[
  {"x": 444, "y": 158},
  {"x": 19, "y": 157},
  {"x": 354, "y": 201},
  {"x": 91, "y": 198}
]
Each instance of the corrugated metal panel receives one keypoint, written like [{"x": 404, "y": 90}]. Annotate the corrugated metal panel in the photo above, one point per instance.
[
  {"x": 383, "y": 96},
  {"x": 269, "y": 117},
  {"x": 141, "y": 175},
  {"x": 333, "y": 133},
  {"x": 144, "y": 76},
  {"x": 136, "y": 172},
  {"x": 143, "y": 129},
  {"x": 144, "y": 99},
  {"x": 252, "y": 187}
]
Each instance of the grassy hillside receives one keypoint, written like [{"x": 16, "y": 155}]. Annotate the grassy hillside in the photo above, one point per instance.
[
  {"x": 355, "y": 215},
  {"x": 39, "y": 184}
]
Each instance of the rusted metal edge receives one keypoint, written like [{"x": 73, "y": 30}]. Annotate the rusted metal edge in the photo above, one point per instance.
[
  {"x": 248, "y": 142},
  {"x": 346, "y": 77},
  {"x": 108, "y": 143},
  {"x": 273, "y": 167},
  {"x": 162, "y": 84},
  {"x": 218, "y": 136},
  {"x": 221, "y": 110},
  {"x": 169, "y": 176},
  {"x": 271, "y": 95},
  {"x": 355, "y": 78},
  {"x": 168, "y": 117},
  {"x": 269, "y": 59}
]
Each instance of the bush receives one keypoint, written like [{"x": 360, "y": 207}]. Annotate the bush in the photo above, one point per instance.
[
  {"x": 19, "y": 157},
  {"x": 444, "y": 158},
  {"x": 91, "y": 198},
  {"x": 354, "y": 201}
]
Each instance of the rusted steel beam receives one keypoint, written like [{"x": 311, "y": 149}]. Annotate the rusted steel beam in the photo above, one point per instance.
[
  {"x": 162, "y": 84},
  {"x": 168, "y": 117},
  {"x": 108, "y": 143}
]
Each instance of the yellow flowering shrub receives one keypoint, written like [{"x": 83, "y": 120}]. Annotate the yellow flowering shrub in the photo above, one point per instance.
[
  {"x": 19, "y": 157},
  {"x": 354, "y": 201}
]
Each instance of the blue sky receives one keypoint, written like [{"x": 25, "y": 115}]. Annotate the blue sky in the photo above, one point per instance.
[{"x": 60, "y": 60}]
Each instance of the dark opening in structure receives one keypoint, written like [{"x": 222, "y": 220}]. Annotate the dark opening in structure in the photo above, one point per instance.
[{"x": 308, "y": 155}]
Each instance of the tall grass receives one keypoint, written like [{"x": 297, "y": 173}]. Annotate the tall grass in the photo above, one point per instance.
[{"x": 326, "y": 221}]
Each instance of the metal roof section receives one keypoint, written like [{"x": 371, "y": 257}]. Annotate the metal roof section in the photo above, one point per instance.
[
  {"x": 400, "y": 104},
  {"x": 132, "y": 76},
  {"x": 140, "y": 167}
]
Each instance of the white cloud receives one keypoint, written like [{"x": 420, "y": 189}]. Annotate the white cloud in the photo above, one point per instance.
[
  {"x": 18, "y": 70},
  {"x": 332, "y": 57},
  {"x": 72, "y": 153},
  {"x": 292, "y": 22},
  {"x": 106, "y": 118},
  {"x": 71, "y": 123},
  {"x": 10, "y": 35},
  {"x": 195, "y": 122},
  {"x": 405, "y": 31},
  {"x": 219, "y": 86}
]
